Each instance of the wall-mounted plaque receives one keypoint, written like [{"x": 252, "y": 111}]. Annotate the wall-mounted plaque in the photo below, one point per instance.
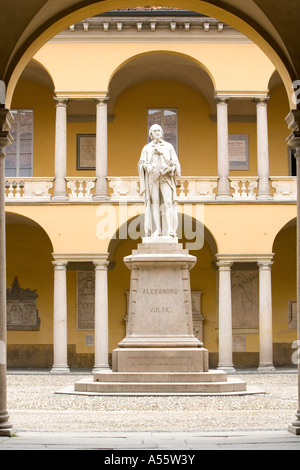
[
  {"x": 85, "y": 300},
  {"x": 86, "y": 152},
  {"x": 22, "y": 313},
  {"x": 238, "y": 152},
  {"x": 244, "y": 299},
  {"x": 292, "y": 315}
]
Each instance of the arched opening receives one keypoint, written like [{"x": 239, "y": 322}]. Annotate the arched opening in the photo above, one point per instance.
[
  {"x": 284, "y": 294},
  {"x": 152, "y": 86},
  {"x": 230, "y": 15},
  {"x": 30, "y": 295},
  {"x": 203, "y": 283}
]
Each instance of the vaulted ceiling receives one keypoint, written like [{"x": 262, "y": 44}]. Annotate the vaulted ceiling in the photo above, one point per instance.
[{"x": 25, "y": 26}]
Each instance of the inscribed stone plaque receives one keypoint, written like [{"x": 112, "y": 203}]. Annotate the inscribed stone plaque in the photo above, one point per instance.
[
  {"x": 22, "y": 313},
  {"x": 198, "y": 319},
  {"x": 292, "y": 315},
  {"x": 244, "y": 299},
  {"x": 86, "y": 152},
  {"x": 85, "y": 300},
  {"x": 238, "y": 152},
  {"x": 161, "y": 302}
]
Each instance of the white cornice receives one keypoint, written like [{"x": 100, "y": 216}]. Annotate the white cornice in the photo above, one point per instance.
[
  {"x": 81, "y": 95},
  {"x": 150, "y": 29},
  {"x": 244, "y": 257}
]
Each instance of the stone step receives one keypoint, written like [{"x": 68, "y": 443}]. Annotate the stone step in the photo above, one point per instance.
[
  {"x": 231, "y": 386},
  {"x": 211, "y": 376}
]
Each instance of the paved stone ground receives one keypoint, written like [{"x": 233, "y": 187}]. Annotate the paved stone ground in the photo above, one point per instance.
[
  {"x": 33, "y": 405},
  {"x": 45, "y": 420}
]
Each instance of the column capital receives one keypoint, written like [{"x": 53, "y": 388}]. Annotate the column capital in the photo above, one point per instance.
[
  {"x": 101, "y": 265},
  {"x": 224, "y": 265},
  {"x": 222, "y": 100},
  {"x": 265, "y": 265},
  {"x": 263, "y": 101},
  {"x": 61, "y": 102},
  {"x": 60, "y": 265},
  {"x": 293, "y": 122},
  {"x": 6, "y": 119},
  {"x": 102, "y": 100}
]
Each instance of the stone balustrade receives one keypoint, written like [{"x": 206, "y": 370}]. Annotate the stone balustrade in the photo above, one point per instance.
[
  {"x": 28, "y": 189},
  {"x": 285, "y": 188},
  {"x": 80, "y": 188},
  {"x": 191, "y": 189},
  {"x": 244, "y": 188}
]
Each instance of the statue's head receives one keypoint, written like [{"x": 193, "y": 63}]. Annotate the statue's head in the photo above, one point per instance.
[{"x": 156, "y": 131}]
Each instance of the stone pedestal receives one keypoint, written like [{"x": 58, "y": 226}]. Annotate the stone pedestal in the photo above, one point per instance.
[
  {"x": 160, "y": 354},
  {"x": 160, "y": 325}
]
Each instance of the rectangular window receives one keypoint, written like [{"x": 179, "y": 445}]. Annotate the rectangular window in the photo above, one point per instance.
[
  {"x": 19, "y": 155},
  {"x": 168, "y": 120}
]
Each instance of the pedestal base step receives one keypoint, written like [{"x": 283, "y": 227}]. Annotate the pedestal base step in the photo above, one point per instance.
[
  {"x": 161, "y": 384},
  {"x": 161, "y": 377}
]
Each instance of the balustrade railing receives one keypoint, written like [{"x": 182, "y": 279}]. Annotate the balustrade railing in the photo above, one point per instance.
[
  {"x": 285, "y": 188},
  {"x": 80, "y": 188},
  {"x": 127, "y": 189},
  {"x": 28, "y": 189},
  {"x": 244, "y": 188}
]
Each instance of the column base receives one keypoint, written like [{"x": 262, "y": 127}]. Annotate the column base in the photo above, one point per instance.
[
  {"x": 227, "y": 369},
  {"x": 100, "y": 368},
  {"x": 264, "y": 197},
  {"x": 295, "y": 428},
  {"x": 60, "y": 370},
  {"x": 62, "y": 198},
  {"x": 266, "y": 369},
  {"x": 101, "y": 198},
  {"x": 224, "y": 197},
  {"x": 6, "y": 429}
]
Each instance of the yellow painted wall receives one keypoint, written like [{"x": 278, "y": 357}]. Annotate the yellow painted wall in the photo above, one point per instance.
[
  {"x": 127, "y": 134},
  {"x": 278, "y": 109},
  {"x": 284, "y": 283},
  {"x": 250, "y": 228},
  {"x": 197, "y": 147},
  {"x": 31, "y": 95},
  {"x": 29, "y": 258},
  {"x": 232, "y": 67}
]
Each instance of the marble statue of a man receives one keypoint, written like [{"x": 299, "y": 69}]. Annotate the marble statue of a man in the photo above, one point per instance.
[{"x": 158, "y": 169}]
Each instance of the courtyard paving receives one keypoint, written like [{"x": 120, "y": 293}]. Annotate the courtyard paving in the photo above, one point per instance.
[{"x": 148, "y": 422}]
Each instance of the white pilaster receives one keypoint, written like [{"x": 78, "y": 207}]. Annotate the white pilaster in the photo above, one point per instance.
[
  {"x": 265, "y": 317},
  {"x": 225, "y": 317},
  {"x": 101, "y": 316},
  {"x": 60, "y": 340},
  {"x": 60, "y": 192},
  {"x": 101, "y": 149},
  {"x": 293, "y": 121},
  {"x": 263, "y": 148},
  {"x": 5, "y": 139},
  {"x": 223, "y": 160}
]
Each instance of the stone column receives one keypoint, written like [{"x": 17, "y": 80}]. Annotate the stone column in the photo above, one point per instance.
[
  {"x": 293, "y": 121},
  {"x": 101, "y": 316},
  {"x": 263, "y": 149},
  {"x": 5, "y": 139},
  {"x": 101, "y": 149},
  {"x": 60, "y": 340},
  {"x": 225, "y": 317},
  {"x": 60, "y": 192},
  {"x": 265, "y": 317},
  {"x": 223, "y": 160}
]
